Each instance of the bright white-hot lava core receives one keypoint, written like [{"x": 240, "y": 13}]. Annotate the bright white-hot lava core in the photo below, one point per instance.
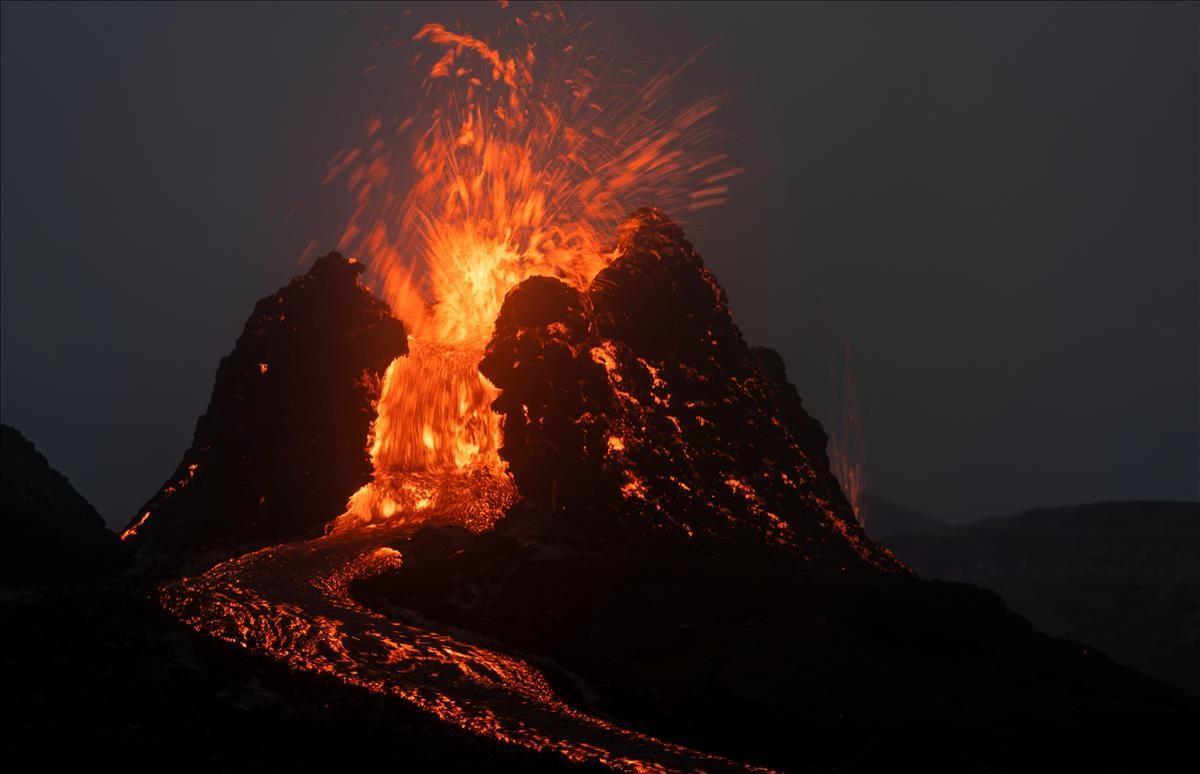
[{"x": 526, "y": 150}]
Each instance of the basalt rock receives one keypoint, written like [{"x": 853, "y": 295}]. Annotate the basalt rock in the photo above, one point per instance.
[
  {"x": 638, "y": 400},
  {"x": 53, "y": 535},
  {"x": 555, "y": 400},
  {"x": 282, "y": 444}
]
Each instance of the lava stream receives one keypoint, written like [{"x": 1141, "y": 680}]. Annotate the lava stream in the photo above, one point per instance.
[{"x": 291, "y": 603}]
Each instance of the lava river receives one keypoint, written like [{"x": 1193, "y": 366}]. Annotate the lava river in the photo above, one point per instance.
[{"x": 291, "y": 603}]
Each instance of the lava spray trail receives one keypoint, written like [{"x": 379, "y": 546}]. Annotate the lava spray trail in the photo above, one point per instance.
[{"x": 847, "y": 452}]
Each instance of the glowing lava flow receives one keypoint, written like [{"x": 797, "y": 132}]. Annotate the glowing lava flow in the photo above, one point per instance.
[
  {"x": 290, "y": 602},
  {"x": 525, "y": 151}
]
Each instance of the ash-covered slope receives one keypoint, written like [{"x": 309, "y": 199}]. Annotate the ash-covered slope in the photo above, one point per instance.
[
  {"x": 282, "y": 444},
  {"x": 52, "y": 534},
  {"x": 638, "y": 402}
]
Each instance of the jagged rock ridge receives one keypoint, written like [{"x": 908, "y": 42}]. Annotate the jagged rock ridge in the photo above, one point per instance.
[
  {"x": 283, "y": 442},
  {"x": 638, "y": 399}
]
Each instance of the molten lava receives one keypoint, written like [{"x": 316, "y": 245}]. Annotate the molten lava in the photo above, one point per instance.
[{"x": 524, "y": 155}]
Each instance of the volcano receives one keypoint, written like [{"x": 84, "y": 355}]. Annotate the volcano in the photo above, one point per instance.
[{"x": 677, "y": 580}]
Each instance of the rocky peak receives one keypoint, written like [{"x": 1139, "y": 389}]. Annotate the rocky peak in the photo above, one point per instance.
[
  {"x": 282, "y": 444},
  {"x": 637, "y": 400}
]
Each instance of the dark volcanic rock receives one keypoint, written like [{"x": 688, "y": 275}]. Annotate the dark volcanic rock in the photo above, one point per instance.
[
  {"x": 638, "y": 401},
  {"x": 283, "y": 442},
  {"x": 53, "y": 535},
  {"x": 555, "y": 399}
]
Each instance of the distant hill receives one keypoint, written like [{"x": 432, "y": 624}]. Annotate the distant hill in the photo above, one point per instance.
[
  {"x": 1123, "y": 577},
  {"x": 886, "y": 518},
  {"x": 52, "y": 534}
]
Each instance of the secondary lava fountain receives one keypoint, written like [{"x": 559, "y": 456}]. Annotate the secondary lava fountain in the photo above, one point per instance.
[{"x": 521, "y": 160}]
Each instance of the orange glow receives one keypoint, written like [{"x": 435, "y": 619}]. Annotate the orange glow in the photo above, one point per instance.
[{"x": 521, "y": 161}]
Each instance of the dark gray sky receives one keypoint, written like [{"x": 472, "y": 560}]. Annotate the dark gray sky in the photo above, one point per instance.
[{"x": 995, "y": 205}]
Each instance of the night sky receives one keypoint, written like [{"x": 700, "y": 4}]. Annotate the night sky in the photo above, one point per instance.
[{"x": 994, "y": 206}]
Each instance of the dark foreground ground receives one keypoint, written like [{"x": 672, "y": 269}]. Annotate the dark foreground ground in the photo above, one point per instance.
[
  {"x": 772, "y": 662},
  {"x": 801, "y": 681},
  {"x": 100, "y": 675}
]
